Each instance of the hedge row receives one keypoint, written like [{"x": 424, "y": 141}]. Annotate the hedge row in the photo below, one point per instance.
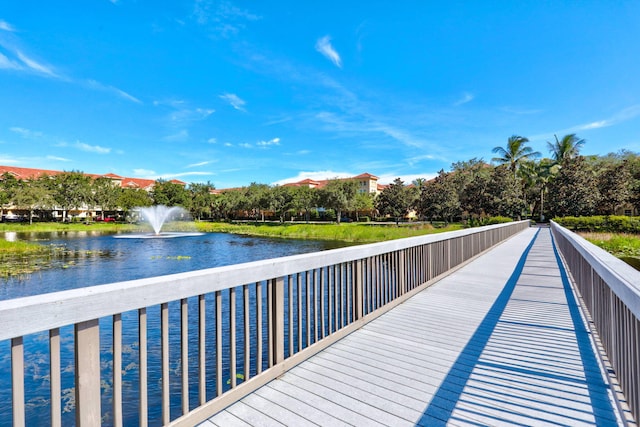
[
  {"x": 613, "y": 224},
  {"x": 488, "y": 220}
]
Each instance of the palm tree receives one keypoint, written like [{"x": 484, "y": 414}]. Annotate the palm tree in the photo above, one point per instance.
[
  {"x": 516, "y": 152},
  {"x": 566, "y": 148}
]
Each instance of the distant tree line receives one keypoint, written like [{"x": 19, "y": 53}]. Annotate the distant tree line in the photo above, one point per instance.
[{"x": 522, "y": 184}]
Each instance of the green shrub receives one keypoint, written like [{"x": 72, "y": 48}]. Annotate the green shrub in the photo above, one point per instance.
[
  {"x": 614, "y": 224},
  {"x": 365, "y": 219}
]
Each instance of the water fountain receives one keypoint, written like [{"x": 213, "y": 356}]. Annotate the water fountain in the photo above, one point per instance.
[{"x": 157, "y": 216}]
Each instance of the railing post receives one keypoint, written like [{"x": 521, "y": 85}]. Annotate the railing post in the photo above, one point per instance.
[
  {"x": 87, "y": 358},
  {"x": 358, "y": 295},
  {"x": 277, "y": 319}
]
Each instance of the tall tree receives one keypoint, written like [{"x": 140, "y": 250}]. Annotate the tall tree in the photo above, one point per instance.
[
  {"x": 516, "y": 152},
  {"x": 70, "y": 190},
  {"x": 8, "y": 186},
  {"x": 566, "y": 148},
  {"x": 281, "y": 199},
  {"x": 304, "y": 199},
  {"x": 169, "y": 194},
  {"x": 439, "y": 198},
  {"x": 614, "y": 184},
  {"x": 132, "y": 198},
  {"x": 574, "y": 190},
  {"x": 504, "y": 194},
  {"x": 32, "y": 196},
  {"x": 105, "y": 194},
  {"x": 339, "y": 195},
  {"x": 200, "y": 195},
  {"x": 395, "y": 200}
]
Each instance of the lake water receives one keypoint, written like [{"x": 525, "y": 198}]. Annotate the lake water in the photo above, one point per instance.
[{"x": 105, "y": 259}]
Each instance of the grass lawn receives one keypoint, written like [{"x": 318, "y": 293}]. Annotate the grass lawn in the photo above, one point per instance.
[
  {"x": 346, "y": 232},
  {"x": 618, "y": 244}
]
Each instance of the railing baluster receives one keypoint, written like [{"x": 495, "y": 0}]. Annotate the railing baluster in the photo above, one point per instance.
[
  {"x": 164, "y": 360},
  {"x": 87, "y": 358},
  {"x": 218, "y": 317},
  {"x": 164, "y": 345},
  {"x": 259, "y": 352},
  {"x": 247, "y": 332},
  {"x": 117, "y": 371},
  {"x": 142, "y": 362},
  {"x": 17, "y": 381},
  {"x": 307, "y": 321},
  {"x": 232, "y": 337},
  {"x": 202, "y": 350},
  {"x": 184, "y": 346},
  {"x": 299, "y": 301}
]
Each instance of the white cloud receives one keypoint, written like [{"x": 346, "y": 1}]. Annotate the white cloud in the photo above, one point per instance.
[
  {"x": 318, "y": 176},
  {"x": 58, "y": 159},
  {"x": 4, "y": 25},
  {"x": 274, "y": 141},
  {"x": 388, "y": 178},
  {"x": 181, "y": 136},
  {"x": 211, "y": 140},
  {"x": 323, "y": 45},
  {"x": 91, "y": 148},
  {"x": 235, "y": 101},
  {"x": 228, "y": 144},
  {"x": 35, "y": 66},
  {"x": 186, "y": 115},
  {"x": 8, "y": 160},
  {"x": 7, "y": 64},
  {"x": 621, "y": 116},
  {"x": 195, "y": 165},
  {"x": 119, "y": 92},
  {"x": 143, "y": 172},
  {"x": 26, "y": 133},
  {"x": 245, "y": 145},
  {"x": 466, "y": 97},
  {"x": 222, "y": 17}
]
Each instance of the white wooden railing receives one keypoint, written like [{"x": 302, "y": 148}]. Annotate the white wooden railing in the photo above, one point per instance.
[
  {"x": 203, "y": 339},
  {"x": 610, "y": 291}
]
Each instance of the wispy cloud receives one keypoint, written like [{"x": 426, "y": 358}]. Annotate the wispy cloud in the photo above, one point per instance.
[
  {"x": 323, "y": 45},
  {"x": 180, "y": 136},
  {"x": 234, "y": 100},
  {"x": 317, "y": 176},
  {"x": 621, "y": 116},
  {"x": 195, "y": 165},
  {"x": 466, "y": 97},
  {"x": 388, "y": 178},
  {"x": 5, "y": 26},
  {"x": 143, "y": 172},
  {"x": 26, "y": 133},
  {"x": 8, "y": 160},
  {"x": 222, "y": 17},
  {"x": 274, "y": 141},
  {"x": 91, "y": 148},
  {"x": 212, "y": 141},
  {"x": 245, "y": 145},
  {"x": 36, "y": 66},
  {"x": 58, "y": 159},
  {"x": 93, "y": 84},
  {"x": 191, "y": 115},
  {"x": 7, "y": 64}
]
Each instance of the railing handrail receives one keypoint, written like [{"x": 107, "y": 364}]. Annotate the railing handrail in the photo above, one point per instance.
[
  {"x": 623, "y": 279},
  {"x": 26, "y": 315}
]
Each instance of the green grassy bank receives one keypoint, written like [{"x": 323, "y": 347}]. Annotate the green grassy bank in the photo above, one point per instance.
[
  {"x": 349, "y": 232},
  {"x": 623, "y": 245}
]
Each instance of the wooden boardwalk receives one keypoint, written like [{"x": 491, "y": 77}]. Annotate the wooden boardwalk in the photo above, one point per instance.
[{"x": 500, "y": 341}]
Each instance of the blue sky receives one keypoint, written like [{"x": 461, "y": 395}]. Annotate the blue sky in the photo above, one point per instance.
[{"x": 234, "y": 92}]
